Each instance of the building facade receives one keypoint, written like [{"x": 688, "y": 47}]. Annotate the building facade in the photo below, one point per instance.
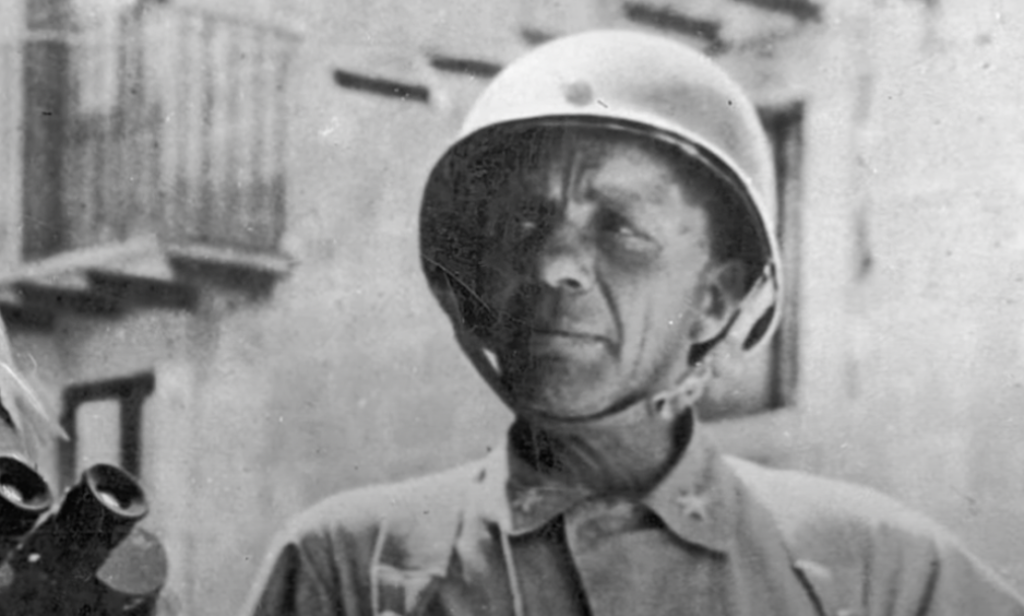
[{"x": 212, "y": 275}]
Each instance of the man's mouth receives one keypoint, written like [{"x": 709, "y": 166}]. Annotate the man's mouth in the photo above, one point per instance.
[
  {"x": 555, "y": 332},
  {"x": 558, "y": 339}
]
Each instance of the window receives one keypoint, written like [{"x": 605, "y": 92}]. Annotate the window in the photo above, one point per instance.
[
  {"x": 785, "y": 130},
  {"x": 103, "y": 420},
  {"x": 767, "y": 379}
]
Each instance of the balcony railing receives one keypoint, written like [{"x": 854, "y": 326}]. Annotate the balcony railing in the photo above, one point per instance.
[{"x": 171, "y": 123}]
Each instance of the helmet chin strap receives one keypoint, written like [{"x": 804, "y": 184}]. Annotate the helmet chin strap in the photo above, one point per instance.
[
  {"x": 665, "y": 406},
  {"x": 679, "y": 399},
  {"x": 755, "y": 317}
]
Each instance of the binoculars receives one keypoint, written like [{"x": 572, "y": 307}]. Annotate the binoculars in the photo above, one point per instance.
[{"x": 83, "y": 556}]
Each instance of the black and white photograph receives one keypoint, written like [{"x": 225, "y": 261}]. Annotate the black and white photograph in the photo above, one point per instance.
[{"x": 512, "y": 308}]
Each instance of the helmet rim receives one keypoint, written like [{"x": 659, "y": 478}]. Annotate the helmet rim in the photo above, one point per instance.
[{"x": 689, "y": 145}]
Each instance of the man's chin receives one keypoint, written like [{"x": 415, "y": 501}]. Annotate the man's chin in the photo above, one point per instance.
[
  {"x": 558, "y": 376},
  {"x": 546, "y": 397},
  {"x": 542, "y": 413}
]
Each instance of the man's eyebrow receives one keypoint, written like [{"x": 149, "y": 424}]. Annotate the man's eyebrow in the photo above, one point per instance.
[{"x": 622, "y": 196}]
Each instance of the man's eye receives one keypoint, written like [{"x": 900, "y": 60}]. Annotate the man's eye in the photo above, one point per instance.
[
  {"x": 524, "y": 222},
  {"x": 526, "y": 225},
  {"x": 618, "y": 228},
  {"x": 617, "y": 225},
  {"x": 621, "y": 233}
]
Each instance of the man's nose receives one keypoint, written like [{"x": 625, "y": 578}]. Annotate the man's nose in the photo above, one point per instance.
[{"x": 565, "y": 260}]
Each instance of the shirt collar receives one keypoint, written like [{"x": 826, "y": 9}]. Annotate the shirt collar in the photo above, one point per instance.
[
  {"x": 695, "y": 500},
  {"x": 520, "y": 498}
]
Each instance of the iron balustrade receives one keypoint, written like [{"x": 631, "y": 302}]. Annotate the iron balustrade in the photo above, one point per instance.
[{"x": 170, "y": 122}]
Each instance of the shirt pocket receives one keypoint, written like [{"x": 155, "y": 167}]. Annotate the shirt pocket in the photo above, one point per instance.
[{"x": 398, "y": 592}]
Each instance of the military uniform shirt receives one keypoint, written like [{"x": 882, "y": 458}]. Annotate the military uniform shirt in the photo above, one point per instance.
[{"x": 716, "y": 537}]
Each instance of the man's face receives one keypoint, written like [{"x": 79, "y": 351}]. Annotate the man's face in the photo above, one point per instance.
[{"x": 596, "y": 265}]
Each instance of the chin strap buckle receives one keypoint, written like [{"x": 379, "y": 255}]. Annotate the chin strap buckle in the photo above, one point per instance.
[{"x": 672, "y": 403}]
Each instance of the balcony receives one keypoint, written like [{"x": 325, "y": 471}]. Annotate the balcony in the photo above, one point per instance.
[{"x": 148, "y": 147}]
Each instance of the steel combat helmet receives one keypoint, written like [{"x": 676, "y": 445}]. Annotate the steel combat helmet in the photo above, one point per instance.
[{"x": 625, "y": 82}]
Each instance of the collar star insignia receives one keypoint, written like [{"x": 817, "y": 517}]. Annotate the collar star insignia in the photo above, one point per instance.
[{"x": 693, "y": 504}]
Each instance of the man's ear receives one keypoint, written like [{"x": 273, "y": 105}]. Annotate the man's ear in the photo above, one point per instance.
[{"x": 724, "y": 286}]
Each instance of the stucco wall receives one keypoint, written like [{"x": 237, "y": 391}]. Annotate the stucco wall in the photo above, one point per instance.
[{"x": 932, "y": 309}]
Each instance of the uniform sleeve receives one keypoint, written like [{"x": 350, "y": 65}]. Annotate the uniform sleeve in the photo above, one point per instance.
[
  {"x": 960, "y": 584},
  {"x": 327, "y": 560},
  {"x": 320, "y": 564},
  {"x": 861, "y": 553},
  {"x": 922, "y": 570},
  {"x": 293, "y": 583}
]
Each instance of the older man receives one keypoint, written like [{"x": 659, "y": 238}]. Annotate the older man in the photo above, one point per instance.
[{"x": 598, "y": 228}]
